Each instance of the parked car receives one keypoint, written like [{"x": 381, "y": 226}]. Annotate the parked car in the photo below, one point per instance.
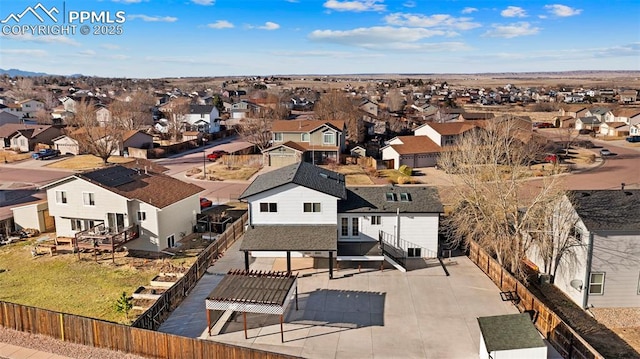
[
  {"x": 216, "y": 154},
  {"x": 545, "y": 125},
  {"x": 205, "y": 203},
  {"x": 633, "y": 139},
  {"x": 605, "y": 152},
  {"x": 585, "y": 131},
  {"x": 45, "y": 154},
  {"x": 551, "y": 158}
]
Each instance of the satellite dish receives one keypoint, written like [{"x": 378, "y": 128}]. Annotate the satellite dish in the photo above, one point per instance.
[{"x": 577, "y": 284}]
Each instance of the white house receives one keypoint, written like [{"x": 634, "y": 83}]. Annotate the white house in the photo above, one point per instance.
[
  {"x": 117, "y": 197},
  {"x": 445, "y": 134},
  {"x": 202, "y": 118},
  {"x": 413, "y": 151},
  {"x": 66, "y": 145},
  {"x": 602, "y": 266},
  {"x": 304, "y": 210},
  {"x": 30, "y": 107}
]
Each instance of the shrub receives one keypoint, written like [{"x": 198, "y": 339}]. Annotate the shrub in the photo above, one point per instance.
[
  {"x": 404, "y": 180},
  {"x": 406, "y": 170}
]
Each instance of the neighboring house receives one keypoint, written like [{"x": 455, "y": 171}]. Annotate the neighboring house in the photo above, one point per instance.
[
  {"x": 413, "y": 151},
  {"x": 14, "y": 109},
  {"x": 26, "y": 139},
  {"x": 627, "y": 96},
  {"x": 369, "y": 107},
  {"x": 30, "y": 107},
  {"x": 634, "y": 130},
  {"x": 203, "y": 118},
  {"x": 603, "y": 266},
  {"x": 614, "y": 129},
  {"x": 69, "y": 104},
  {"x": 446, "y": 134},
  {"x": 240, "y": 110},
  {"x": 471, "y": 116},
  {"x": 136, "y": 139},
  {"x": 565, "y": 122},
  {"x": 314, "y": 141},
  {"x": 630, "y": 116},
  {"x": 576, "y": 111},
  {"x": 117, "y": 198},
  {"x": 603, "y": 114},
  {"x": 103, "y": 116},
  {"x": 358, "y": 151},
  {"x": 588, "y": 123},
  {"x": 66, "y": 145},
  {"x": 7, "y": 117},
  {"x": 304, "y": 210}
]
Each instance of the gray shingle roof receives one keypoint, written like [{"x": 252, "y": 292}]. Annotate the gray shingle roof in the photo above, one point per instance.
[
  {"x": 608, "y": 210},
  {"x": 509, "y": 332},
  {"x": 373, "y": 199},
  {"x": 303, "y": 174},
  {"x": 290, "y": 237},
  {"x": 592, "y": 120}
]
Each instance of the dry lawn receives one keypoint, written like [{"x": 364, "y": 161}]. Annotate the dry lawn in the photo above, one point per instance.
[
  {"x": 87, "y": 162},
  {"x": 222, "y": 172},
  {"x": 354, "y": 175},
  {"x": 11, "y": 156}
]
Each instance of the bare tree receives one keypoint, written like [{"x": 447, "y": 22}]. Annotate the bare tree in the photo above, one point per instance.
[
  {"x": 395, "y": 100},
  {"x": 100, "y": 141},
  {"x": 43, "y": 117},
  {"x": 24, "y": 89},
  {"x": 256, "y": 130},
  {"x": 491, "y": 203},
  {"x": 135, "y": 112},
  {"x": 336, "y": 105},
  {"x": 567, "y": 136},
  {"x": 175, "y": 112}
]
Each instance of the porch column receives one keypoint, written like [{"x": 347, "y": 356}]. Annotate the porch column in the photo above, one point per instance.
[
  {"x": 246, "y": 260},
  {"x": 330, "y": 265},
  {"x": 289, "y": 262}
]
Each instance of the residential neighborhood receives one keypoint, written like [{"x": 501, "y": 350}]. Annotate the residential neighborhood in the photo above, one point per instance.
[{"x": 346, "y": 184}]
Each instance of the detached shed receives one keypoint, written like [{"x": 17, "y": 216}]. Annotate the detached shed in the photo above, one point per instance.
[{"x": 511, "y": 336}]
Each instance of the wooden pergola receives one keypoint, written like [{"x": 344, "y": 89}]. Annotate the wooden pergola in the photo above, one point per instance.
[{"x": 253, "y": 292}]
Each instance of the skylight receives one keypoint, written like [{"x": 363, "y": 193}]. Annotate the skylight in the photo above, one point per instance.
[
  {"x": 391, "y": 197},
  {"x": 405, "y": 197}
]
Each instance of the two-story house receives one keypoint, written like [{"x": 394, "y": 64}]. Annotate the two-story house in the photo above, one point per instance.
[
  {"x": 29, "y": 107},
  {"x": 202, "y": 118},
  {"x": 304, "y": 210},
  {"x": 602, "y": 265},
  {"x": 314, "y": 141},
  {"x": 603, "y": 114},
  {"x": 115, "y": 198}
]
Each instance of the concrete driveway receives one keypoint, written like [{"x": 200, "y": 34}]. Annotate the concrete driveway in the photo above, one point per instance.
[{"x": 370, "y": 314}]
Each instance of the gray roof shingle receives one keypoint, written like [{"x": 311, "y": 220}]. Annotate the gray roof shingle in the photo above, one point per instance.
[
  {"x": 608, "y": 210},
  {"x": 303, "y": 174},
  {"x": 290, "y": 237},
  {"x": 509, "y": 332},
  {"x": 373, "y": 199}
]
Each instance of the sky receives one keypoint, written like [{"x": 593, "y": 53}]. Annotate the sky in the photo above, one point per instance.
[{"x": 185, "y": 38}]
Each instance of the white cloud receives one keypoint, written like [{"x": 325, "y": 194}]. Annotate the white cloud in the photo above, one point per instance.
[
  {"x": 512, "y": 30},
  {"x": 513, "y": 11},
  {"x": 386, "y": 38},
  {"x": 110, "y": 46},
  {"x": 148, "y": 18},
  {"x": 469, "y": 10},
  {"x": 24, "y": 52},
  {"x": 269, "y": 26},
  {"x": 293, "y": 1},
  {"x": 562, "y": 10},
  {"x": 437, "y": 20},
  {"x": 43, "y": 39},
  {"x": 410, "y": 4},
  {"x": 87, "y": 53},
  {"x": 119, "y": 57},
  {"x": 355, "y": 5},
  {"x": 220, "y": 24},
  {"x": 204, "y": 2}
]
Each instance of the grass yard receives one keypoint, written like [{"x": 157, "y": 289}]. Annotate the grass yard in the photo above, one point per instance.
[
  {"x": 354, "y": 175},
  {"x": 10, "y": 156},
  {"x": 222, "y": 172},
  {"x": 87, "y": 162},
  {"x": 64, "y": 283}
]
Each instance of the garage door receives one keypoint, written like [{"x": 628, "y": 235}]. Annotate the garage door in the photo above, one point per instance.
[
  {"x": 281, "y": 160},
  {"x": 426, "y": 160}
]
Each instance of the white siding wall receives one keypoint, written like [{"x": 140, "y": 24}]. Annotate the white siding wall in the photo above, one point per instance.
[
  {"x": 176, "y": 218},
  {"x": 527, "y": 353},
  {"x": 420, "y": 229},
  {"x": 290, "y": 199},
  {"x": 30, "y": 216},
  {"x": 149, "y": 228},
  {"x": 105, "y": 202},
  {"x": 618, "y": 256},
  {"x": 429, "y": 132},
  {"x": 390, "y": 154}
]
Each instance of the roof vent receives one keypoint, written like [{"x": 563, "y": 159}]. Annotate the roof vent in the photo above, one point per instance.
[
  {"x": 585, "y": 194},
  {"x": 324, "y": 175},
  {"x": 628, "y": 193}
]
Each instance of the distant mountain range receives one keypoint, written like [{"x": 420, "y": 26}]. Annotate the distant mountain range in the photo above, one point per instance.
[{"x": 17, "y": 72}]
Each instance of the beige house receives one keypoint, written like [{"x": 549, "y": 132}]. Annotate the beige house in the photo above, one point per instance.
[
  {"x": 66, "y": 145},
  {"x": 116, "y": 198},
  {"x": 314, "y": 141},
  {"x": 614, "y": 129}
]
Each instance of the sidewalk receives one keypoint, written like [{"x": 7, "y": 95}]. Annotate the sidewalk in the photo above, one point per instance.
[{"x": 8, "y": 351}]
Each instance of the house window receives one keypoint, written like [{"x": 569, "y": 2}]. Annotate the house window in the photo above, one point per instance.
[
  {"x": 638, "y": 284},
  {"x": 268, "y": 207},
  {"x": 304, "y": 137},
  {"x": 76, "y": 225},
  {"x": 89, "y": 198},
  {"x": 376, "y": 220},
  {"x": 328, "y": 138},
  {"x": 405, "y": 197},
  {"x": 576, "y": 233},
  {"x": 596, "y": 283},
  {"x": 414, "y": 252},
  {"x": 61, "y": 197},
  {"x": 171, "y": 241},
  {"x": 391, "y": 197},
  {"x": 142, "y": 216},
  {"x": 355, "y": 230},
  {"x": 89, "y": 223},
  {"x": 311, "y": 207},
  {"x": 344, "y": 227},
  {"x": 277, "y": 137}
]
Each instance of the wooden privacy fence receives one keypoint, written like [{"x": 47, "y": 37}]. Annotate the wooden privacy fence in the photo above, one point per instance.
[
  {"x": 553, "y": 328},
  {"x": 113, "y": 336},
  {"x": 153, "y": 317}
]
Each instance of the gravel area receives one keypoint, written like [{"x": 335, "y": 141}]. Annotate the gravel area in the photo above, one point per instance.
[
  {"x": 50, "y": 345},
  {"x": 617, "y": 317}
]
